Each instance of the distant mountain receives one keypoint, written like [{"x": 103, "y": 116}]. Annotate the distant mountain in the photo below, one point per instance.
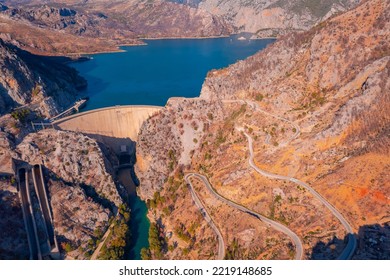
[
  {"x": 274, "y": 17},
  {"x": 100, "y": 26},
  {"x": 198, "y": 18}
]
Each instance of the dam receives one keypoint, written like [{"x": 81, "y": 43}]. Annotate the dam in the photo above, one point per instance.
[{"x": 116, "y": 126}]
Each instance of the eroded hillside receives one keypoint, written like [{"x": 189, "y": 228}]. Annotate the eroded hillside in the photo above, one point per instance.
[
  {"x": 83, "y": 197},
  {"x": 28, "y": 79},
  {"x": 316, "y": 106},
  {"x": 72, "y": 27}
]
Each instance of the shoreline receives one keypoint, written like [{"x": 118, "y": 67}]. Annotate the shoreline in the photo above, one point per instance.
[
  {"x": 185, "y": 38},
  {"x": 162, "y": 38}
]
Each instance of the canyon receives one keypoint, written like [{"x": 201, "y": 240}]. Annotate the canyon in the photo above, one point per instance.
[
  {"x": 284, "y": 155},
  {"x": 331, "y": 83}
]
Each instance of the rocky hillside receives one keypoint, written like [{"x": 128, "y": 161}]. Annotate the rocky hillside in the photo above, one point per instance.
[
  {"x": 83, "y": 196},
  {"x": 316, "y": 105},
  {"x": 99, "y": 26},
  {"x": 28, "y": 79},
  {"x": 13, "y": 238},
  {"x": 95, "y": 25},
  {"x": 274, "y": 17},
  {"x": 82, "y": 193},
  {"x": 160, "y": 19},
  {"x": 55, "y": 31}
]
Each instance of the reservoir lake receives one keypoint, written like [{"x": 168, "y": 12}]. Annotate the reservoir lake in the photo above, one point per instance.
[{"x": 150, "y": 75}]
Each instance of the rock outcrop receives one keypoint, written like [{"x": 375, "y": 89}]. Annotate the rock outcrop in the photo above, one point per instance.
[
  {"x": 73, "y": 157},
  {"x": 274, "y": 17},
  {"x": 13, "y": 238},
  {"x": 82, "y": 192},
  {"x": 271, "y": 18},
  {"x": 28, "y": 79},
  {"x": 105, "y": 25}
]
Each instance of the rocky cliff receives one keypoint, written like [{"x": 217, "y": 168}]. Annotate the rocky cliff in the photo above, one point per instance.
[
  {"x": 159, "y": 19},
  {"x": 316, "y": 105},
  {"x": 82, "y": 193},
  {"x": 275, "y": 17},
  {"x": 13, "y": 238},
  {"x": 83, "y": 196},
  {"x": 100, "y": 26},
  {"x": 42, "y": 82}
]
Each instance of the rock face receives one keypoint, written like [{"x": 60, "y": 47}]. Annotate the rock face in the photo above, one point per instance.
[
  {"x": 270, "y": 18},
  {"x": 13, "y": 238},
  {"x": 82, "y": 193},
  {"x": 159, "y": 19},
  {"x": 333, "y": 82},
  {"x": 156, "y": 159},
  {"x": 267, "y": 18},
  {"x": 13, "y": 244},
  {"x": 30, "y": 79},
  {"x": 73, "y": 157}
]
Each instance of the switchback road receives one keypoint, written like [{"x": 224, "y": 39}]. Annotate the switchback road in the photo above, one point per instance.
[
  {"x": 279, "y": 227},
  {"x": 205, "y": 214}
]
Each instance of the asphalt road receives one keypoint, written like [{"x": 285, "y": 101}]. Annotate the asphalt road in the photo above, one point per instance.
[
  {"x": 279, "y": 227},
  {"x": 207, "y": 217},
  {"x": 351, "y": 245},
  {"x": 102, "y": 242}
]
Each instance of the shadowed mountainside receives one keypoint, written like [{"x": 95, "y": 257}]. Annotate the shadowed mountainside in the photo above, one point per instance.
[
  {"x": 373, "y": 244},
  {"x": 31, "y": 79}
]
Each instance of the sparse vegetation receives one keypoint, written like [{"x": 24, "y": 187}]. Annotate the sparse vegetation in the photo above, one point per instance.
[
  {"x": 115, "y": 246},
  {"x": 21, "y": 114},
  {"x": 233, "y": 251}
]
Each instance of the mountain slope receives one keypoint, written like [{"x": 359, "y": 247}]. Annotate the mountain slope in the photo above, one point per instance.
[
  {"x": 101, "y": 26},
  {"x": 316, "y": 105},
  {"x": 30, "y": 79},
  {"x": 57, "y": 31},
  {"x": 275, "y": 17}
]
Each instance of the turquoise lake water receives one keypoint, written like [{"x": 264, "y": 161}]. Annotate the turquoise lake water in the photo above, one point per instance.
[{"x": 150, "y": 75}]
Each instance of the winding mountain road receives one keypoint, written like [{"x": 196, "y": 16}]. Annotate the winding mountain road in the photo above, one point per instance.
[
  {"x": 207, "y": 217},
  {"x": 279, "y": 227},
  {"x": 349, "y": 249},
  {"x": 351, "y": 245}
]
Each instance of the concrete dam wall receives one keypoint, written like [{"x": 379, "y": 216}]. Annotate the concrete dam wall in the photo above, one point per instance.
[{"x": 114, "y": 126}]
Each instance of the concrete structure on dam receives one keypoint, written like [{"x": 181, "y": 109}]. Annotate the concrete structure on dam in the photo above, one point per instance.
[{"x": 114, "y": 126}]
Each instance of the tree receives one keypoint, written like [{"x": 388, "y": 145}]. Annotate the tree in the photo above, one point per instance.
[{"x": 145, "y": 254}]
